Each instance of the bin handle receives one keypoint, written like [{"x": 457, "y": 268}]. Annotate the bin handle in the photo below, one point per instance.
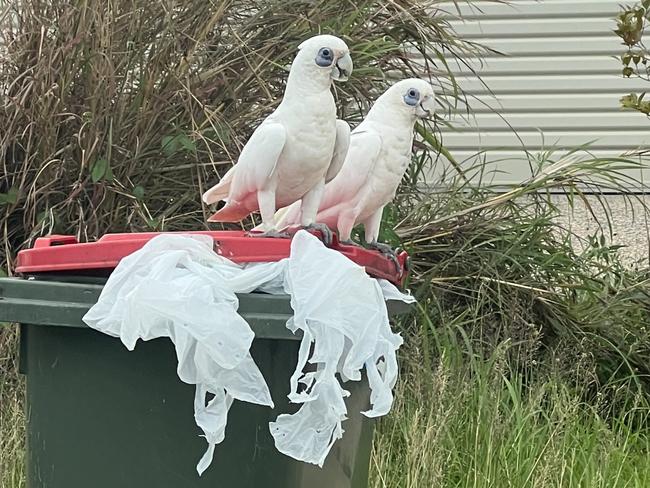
[{"x": 54, "y": 240}]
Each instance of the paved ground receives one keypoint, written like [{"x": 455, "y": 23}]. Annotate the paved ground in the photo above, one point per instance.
[{"x": 629, "y": 224}]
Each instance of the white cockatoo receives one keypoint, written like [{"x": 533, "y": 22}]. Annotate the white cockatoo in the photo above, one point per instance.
[
  {"x": 378, "y": 156},
  {"x": 297, "y": 148}
]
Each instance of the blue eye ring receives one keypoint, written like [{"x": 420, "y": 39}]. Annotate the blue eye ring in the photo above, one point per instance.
[
  {"x": 325, "y": 57},
  {"x": 412, "y": 97}
]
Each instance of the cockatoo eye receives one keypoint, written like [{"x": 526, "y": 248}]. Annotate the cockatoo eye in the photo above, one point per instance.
[
  {"x": 412, "y": 97},
  {"x": 325, "y": 57}
]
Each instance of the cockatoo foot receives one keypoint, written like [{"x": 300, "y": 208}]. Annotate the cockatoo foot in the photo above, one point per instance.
[
  {"x": 350, "y": 242},
  {"x": 327, "y": 236},
  {"x": 387, "y": 251},
  {"x": 270, "y": 233}
]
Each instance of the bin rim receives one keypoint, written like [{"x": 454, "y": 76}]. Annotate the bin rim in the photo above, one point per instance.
[{"x": 64, "y": 253}]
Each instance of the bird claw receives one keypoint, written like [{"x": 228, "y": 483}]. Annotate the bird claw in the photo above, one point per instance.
[
  {"x": 270, "y": 233},
  {"x": 389, "y": 252},
  {"x": 327, "y": 236},
  {"x": 350, "y": 242}
]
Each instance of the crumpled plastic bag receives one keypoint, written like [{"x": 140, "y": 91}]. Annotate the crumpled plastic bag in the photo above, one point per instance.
[
  {"x": 176, "y": 286},
  {"x": 342, "y": 314}
]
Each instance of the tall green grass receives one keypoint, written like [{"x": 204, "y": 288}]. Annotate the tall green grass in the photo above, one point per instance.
[
  {"x": 501, "y": 268},
  {"x": 480, "y": 424},
  {"x": 526, "y": 363}
]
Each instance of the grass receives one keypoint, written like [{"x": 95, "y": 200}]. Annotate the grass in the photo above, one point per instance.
[
  {"x": 499, "y": 267},
  {"x": 481, "y": 426},
  {"x": 526, "y": 363},
  {"x": 12, "y": 413}
]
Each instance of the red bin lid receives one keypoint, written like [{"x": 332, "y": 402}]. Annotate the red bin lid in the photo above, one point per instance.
[{"x": 57, "y": 253}]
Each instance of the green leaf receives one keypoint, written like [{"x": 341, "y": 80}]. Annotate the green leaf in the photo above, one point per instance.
[
  {"x": 224, "y": 133},
  {"x": 629, "y": 101},
  {"x": 431, "y": 139},
  {"x": 169, "y": 145},
  {"x": 3, "y": 273},
  {"x": 138, "y": 192},
  {"x": 644, "y": 107},
  {"x": 220, "y": 132},
  {"x": 10, "y": 197},
  {"x": 109, "y": 174},
  {"x": 389, "y": 236},
  {"x": 387, "y": 232},
  {"x": 98, "y": 170},
  {"x": 187, "y": 143},
  {"x": 153, "y": 223},
  {"x": 172, "y": 144}
]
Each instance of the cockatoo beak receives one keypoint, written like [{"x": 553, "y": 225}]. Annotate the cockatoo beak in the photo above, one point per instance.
[
  {"x": 426, "y": 108},
  {"x": 342, "y": 68}
]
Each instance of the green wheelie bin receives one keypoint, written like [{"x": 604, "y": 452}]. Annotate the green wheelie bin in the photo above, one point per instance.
[{"x": 101, "y": 416}]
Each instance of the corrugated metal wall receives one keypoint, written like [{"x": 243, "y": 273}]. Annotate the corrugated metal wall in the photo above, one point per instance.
[{"x": 558, "y": 84}]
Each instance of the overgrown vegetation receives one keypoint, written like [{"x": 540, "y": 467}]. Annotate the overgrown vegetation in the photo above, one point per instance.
[
  {"x": 526, "y": 363},
  {"x": 12, "y": 415},
  {"x": 500, "y": 268},
  {"x": 476, "y": 423}
]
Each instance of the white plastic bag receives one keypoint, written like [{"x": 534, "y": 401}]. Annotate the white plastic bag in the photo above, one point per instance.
[
  {"x": 342, "y": 314},
  {"x": 178, "y": 287}
]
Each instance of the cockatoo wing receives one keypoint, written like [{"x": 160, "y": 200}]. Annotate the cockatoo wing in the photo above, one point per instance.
[
  {"x": 255, "y": 168},
  {"x": 220, "y": 190},
  {"x": 360, "y": 161},
  {"x": 341, "y": 147},
  {"x": 347, "y": 185}
]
